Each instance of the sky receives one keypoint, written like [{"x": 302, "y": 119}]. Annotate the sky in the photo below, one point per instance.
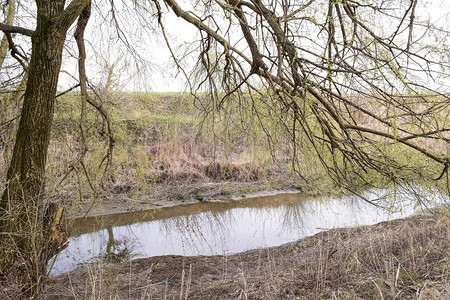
[
  {"x": 160, "y": 74},
  {"x": 437, "y": 11}
]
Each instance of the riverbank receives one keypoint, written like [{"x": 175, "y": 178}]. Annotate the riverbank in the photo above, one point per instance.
[
  {"x": 122, "y": 198},
  {"x": 406, "y": 258}
]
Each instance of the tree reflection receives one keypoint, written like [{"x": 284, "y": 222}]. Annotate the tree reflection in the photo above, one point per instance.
[{"x": 117, "y": 251}]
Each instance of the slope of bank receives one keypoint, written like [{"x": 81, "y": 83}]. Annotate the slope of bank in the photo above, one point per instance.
[{"x": 406, "y": 258}]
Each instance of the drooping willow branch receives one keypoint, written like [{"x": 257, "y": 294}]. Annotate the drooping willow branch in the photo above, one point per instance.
[
  {"x": 85, "y": 98},
  {"x": 354, "y": 79}
]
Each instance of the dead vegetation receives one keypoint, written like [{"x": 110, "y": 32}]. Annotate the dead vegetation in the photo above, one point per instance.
[
  {"x": 163, "y": 151},
  {"x": 401, "y": 259},
  {"x": 191, "y": 162}
]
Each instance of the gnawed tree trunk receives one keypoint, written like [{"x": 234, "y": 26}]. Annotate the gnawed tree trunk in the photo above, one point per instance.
[
  {"x": 55, "y": 231},
  {"x": 21, "y": 206}
]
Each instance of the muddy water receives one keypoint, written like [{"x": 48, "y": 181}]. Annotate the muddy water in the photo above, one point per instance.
[{"x": 215, "y": 227}]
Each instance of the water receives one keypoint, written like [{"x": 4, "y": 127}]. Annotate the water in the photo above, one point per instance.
[{"x": 218, "y": 228}]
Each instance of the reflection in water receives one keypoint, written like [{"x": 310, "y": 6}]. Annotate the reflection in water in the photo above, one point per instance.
[
  {"x": 117, "y": 250},
  {"x": 216, "y": 228}
]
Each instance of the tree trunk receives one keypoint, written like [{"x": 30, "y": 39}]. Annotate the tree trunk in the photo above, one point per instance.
[
  {"x": 21, "y": 206},
  {"x": 25, "y": 178}
]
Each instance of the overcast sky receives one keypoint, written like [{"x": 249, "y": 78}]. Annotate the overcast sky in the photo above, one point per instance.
[
  {"x": 161, "y": 74},
  {"x": 437, "y": 11}
]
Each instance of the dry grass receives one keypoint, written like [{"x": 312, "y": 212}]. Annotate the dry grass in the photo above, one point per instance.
[
  {"x": 414, "y": 114},
  {"x": 160, "y": 152},
  {"x": 401, "y": 259},
  {"x": 191, "y": 162}
]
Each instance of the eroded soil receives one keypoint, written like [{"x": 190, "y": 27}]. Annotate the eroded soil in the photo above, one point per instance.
[{"x": 124, "y": 198}]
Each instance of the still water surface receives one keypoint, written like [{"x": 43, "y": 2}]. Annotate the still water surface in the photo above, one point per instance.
[{"x": 218, "y": 227}]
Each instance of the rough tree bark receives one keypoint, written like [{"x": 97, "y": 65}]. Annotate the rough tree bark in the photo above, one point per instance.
[{"x": 21, "y": 206}]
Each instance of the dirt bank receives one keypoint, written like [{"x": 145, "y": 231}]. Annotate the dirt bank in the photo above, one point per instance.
[
  {"x": 124, "y": 198},
  {"x": 399, "y": 259}
]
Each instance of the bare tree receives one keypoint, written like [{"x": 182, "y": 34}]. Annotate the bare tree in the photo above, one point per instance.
[{"x": 354, "y": 83}]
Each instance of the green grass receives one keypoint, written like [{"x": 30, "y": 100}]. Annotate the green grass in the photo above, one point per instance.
[{"x": 176, "y": 138}]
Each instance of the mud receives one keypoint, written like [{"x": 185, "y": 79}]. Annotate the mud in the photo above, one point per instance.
[{"x": 119, "y": 199}]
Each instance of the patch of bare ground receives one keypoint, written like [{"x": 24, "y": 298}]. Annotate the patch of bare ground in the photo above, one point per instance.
[
  {"x": 121, "y": 198},
  {"x": 400, "y": 259}
]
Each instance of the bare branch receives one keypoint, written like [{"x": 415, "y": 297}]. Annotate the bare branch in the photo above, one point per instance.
[
  {"x": 70, "y": 14},
  {"x": 16, "y": 29}
]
